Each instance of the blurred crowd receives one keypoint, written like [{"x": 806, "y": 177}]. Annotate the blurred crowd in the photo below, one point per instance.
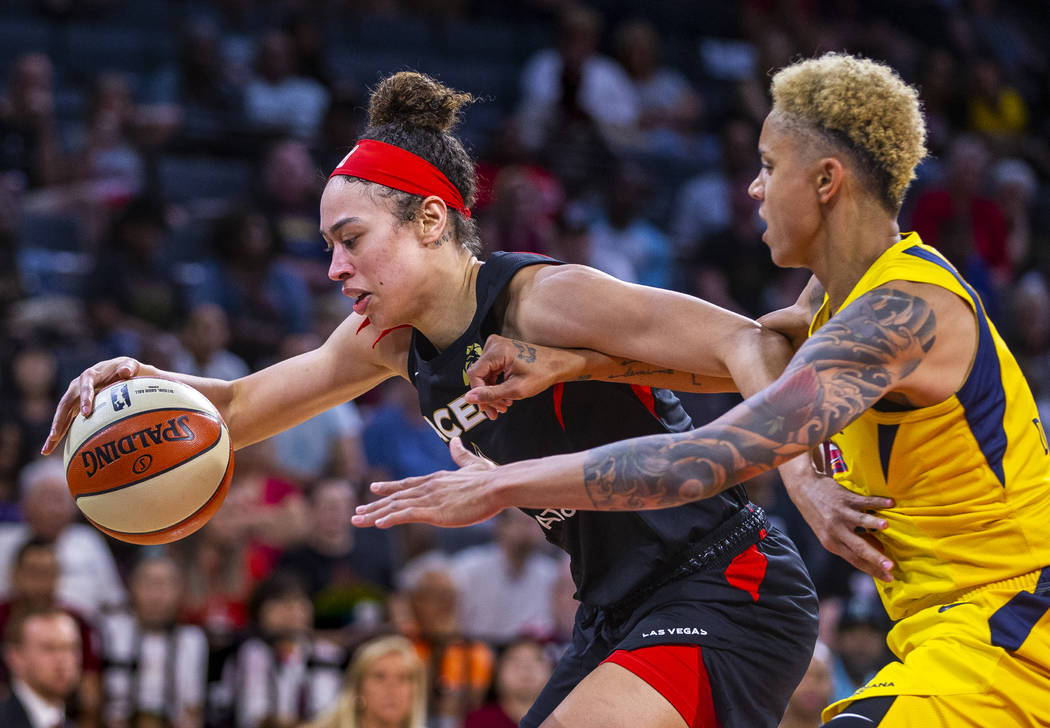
[{"x": 160, "y": 167}]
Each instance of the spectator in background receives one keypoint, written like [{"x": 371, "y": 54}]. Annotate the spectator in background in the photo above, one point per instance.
[
  {"x": 155, "y": 667},
  {"x": 1014, "y": 187},
  {"x": 204, "y": 340},
  {"x": 522, "y": 670},
  {"x": 34, "y": 388},
  {"x": 622, "y": 231},
  {"x": 669, "y": 108},
  {"x": 398, "y": 442},
  {"x": 996, "y": 109},
  {"x": 276, "y": 99},
  {"x": 29, "y": 141},
  {"x": 518, "y": 218},
  {"x": 704, "y": 206},
  {"x": 88, "y": 578},
  {"x": 326, "y": 445},
  {"x": 290, "y": 187},
  {"x": 200, "y": 85},
  {"x": 132, "y": 271},
  {"x": 575, "y": 76},
  {"x": 266, "y": 511},
  {"x": 812, "y": 694},
  {"x": 1029, "y": 315},
  {"x": 214, "y": 564},
  {"x": 958, "y": 219},
  {"x": 264, "y": 299},
  {"x": 385, "y": 688},
  {"x": 459, "y": 669},
  {"x": 347, "y": 572},
  {"x": 282, "y": 674},
  {"x": 42, "y": 651},
  {"x": 504, "y": 587},
  {"x": 109, "y": 163},
  {"x": 860, "y": 645},
  {"x": 34, "y": 576}
]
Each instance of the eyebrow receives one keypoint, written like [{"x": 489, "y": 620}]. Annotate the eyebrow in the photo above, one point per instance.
[{"x": 345, "y": 221}]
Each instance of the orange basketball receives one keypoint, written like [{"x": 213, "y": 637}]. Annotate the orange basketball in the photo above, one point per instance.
[{"x": 152, "y": 463}]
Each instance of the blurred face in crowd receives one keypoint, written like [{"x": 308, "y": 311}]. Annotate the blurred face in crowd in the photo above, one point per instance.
[
  {"x": 35, "y": 576},
  {"x": 517, "y": 533},
  {"x": 207, "y": 330},
  {"x": 814, "y": 692},
  {"x": 386, "y": 692},
  {"x": 34, "y": 371},
  {"x": 155, "y": 589},
  {"x": 333, "y": 506},
  {"x": 435, "y": 604},
  {"x": 861, "y": 647},
  {"x": 287, "y": 616},
  {"x": 523, "y": 671},
  {"x": 47, "y": 505},
  {"x": 48, "y": 657}
]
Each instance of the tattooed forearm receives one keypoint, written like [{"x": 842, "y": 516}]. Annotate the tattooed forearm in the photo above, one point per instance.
[
  {"x": 628, "y": 370},
  {"x": 849, "y": 364}
]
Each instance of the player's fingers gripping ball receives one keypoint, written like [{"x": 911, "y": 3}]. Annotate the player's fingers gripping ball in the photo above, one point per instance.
[{"x": 152, "y": 463}]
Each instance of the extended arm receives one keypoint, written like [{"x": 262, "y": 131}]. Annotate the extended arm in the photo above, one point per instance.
[
  {"x": 871, "y": 348},
  {"x": 268, "y": 401}
]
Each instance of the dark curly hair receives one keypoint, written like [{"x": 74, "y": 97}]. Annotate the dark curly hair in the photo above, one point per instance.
[{"x": 413, "y": 111}]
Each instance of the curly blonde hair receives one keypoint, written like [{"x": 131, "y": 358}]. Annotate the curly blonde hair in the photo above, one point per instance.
[{"x": 865, "y": 107}]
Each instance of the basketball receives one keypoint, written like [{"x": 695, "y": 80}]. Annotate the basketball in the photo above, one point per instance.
[{"x": 152, "y": 463}]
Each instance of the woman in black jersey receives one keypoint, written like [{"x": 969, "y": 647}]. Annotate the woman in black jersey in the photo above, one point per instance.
[{"x": 700, "y": 615}]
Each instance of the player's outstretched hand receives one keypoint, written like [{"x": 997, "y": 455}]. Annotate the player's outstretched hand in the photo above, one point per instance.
[
  {"x": 510, "y": 370},
  {"x": 80, "y": 395},
  {"x": 843, "y": 521},
  {"x": 447, "y": 498}
]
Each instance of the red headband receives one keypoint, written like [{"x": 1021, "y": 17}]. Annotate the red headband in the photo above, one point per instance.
[{"x": 400, "y": 169}]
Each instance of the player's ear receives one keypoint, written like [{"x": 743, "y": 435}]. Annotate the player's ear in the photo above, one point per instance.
[
  {"x": 433, "y": 220},
  {"x": 830, "y": 174}
]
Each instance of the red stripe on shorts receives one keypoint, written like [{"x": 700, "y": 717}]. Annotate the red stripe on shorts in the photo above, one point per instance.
[
  {"x": 678, "y": 673},
  {"x": 557, "y": 391}
]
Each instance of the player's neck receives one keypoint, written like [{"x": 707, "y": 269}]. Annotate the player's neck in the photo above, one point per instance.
[
  {"x": 452, "y": 307},
  {"x": 851, "y": 243}
]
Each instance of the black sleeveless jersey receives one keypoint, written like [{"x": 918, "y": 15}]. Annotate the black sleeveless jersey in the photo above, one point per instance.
[{"x": 613, "y": 553}]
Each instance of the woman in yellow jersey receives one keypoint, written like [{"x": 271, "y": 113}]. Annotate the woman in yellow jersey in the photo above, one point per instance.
[{"x": 904, "y": 381}]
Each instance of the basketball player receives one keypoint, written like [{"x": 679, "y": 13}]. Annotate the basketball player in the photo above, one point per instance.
[
  {"x": 680, "y": 607},
  {"x": 909, "y": 379}
]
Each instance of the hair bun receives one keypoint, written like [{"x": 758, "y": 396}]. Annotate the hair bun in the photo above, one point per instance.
[{"x": 415, "y": 99}]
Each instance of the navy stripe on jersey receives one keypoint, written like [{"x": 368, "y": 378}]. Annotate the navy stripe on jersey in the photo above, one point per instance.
[
  {"x": 981, "y": 396},
  {"x": 887, "y": 435}
]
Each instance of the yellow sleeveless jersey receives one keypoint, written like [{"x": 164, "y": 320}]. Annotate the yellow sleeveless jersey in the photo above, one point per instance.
[{"x": 970, "y": 476}]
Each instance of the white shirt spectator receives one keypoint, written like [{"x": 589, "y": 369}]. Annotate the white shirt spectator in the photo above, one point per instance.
[
  {"x": 606, "y": 93},
  {"x": 88, "y": 581},
  {"x": 41, "y": 713},
  {"x": 157, "y": 673},
  {"x": 297, "y": 103},
  {"x": 299, "y": 684},
  {"x": 496, "y": 605}
]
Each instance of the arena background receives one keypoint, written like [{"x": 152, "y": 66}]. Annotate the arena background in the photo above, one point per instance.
[{"x": 160, "y": 167}]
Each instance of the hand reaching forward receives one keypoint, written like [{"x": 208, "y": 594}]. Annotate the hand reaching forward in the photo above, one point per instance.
[
  {"x": 80, "y": 394},
  {"x": 446, "y": 498}
]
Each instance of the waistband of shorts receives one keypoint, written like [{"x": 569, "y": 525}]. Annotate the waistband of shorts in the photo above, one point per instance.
[
  {"x": 1037, "y": 580},
  {"x": 741, "y": 530}
]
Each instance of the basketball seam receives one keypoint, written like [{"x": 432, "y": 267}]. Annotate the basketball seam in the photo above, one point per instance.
[
  {"x": 226, "y": 474},
  {"x": 159, "y": 472}
]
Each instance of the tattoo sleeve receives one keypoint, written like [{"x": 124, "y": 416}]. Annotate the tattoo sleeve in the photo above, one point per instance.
[{"x": 843, "y": 369}]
